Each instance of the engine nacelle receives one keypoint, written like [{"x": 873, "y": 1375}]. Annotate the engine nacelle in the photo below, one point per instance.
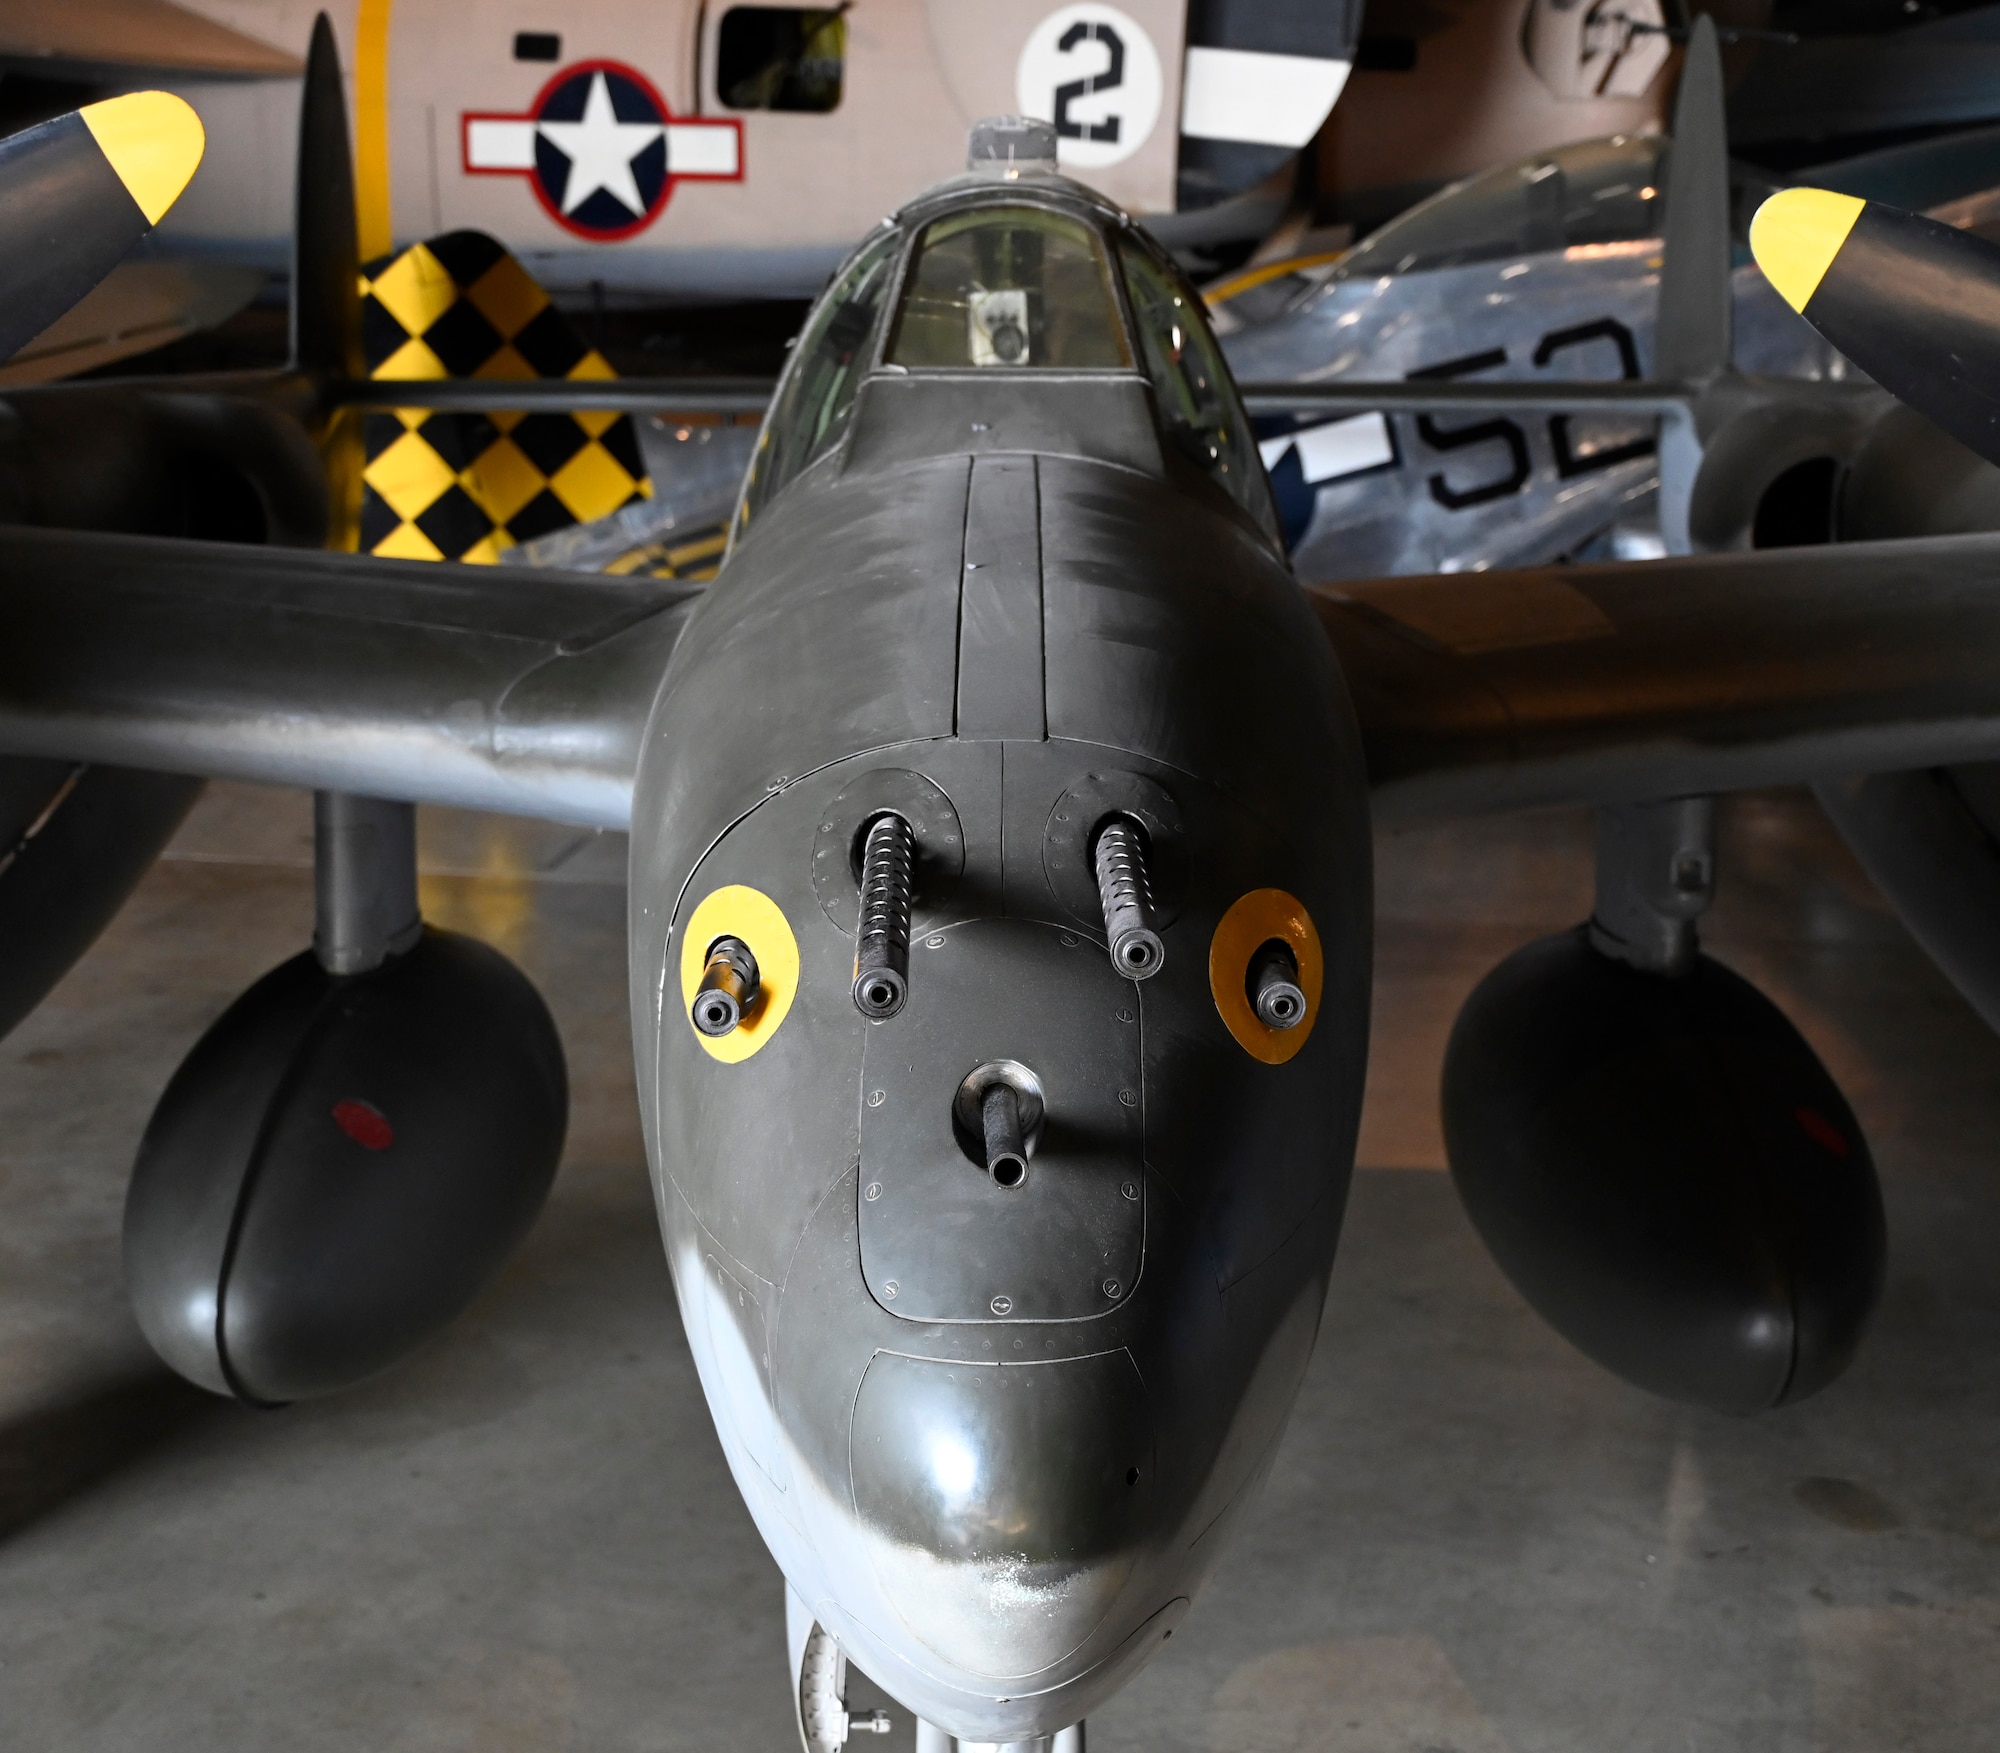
[
  {"x": 1666, "y": 1172},
  {"x": 74, "y": 842},
  {"x": 1772, "y": 471},
  {"x": 1930, "y": 840},
  {"x": 340, "y": 1165},
  {"x": 187, "y": 463},
  {"x": 1910, "y": 478}
]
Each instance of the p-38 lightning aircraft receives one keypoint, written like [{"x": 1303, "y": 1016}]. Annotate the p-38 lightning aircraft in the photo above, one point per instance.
[{"x": 1000, "y": 915}]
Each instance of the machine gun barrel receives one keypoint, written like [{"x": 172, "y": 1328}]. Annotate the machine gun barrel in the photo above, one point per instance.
[
  {"x": 1006, "y": 1147},
  {"x": 882, "y": 934},
  {"x": 729, "y": 986},
  {"x": 1275, "y": 993},
  {"x": 1125, "y": 887}
]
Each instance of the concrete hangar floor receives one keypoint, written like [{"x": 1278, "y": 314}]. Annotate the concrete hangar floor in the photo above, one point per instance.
[{"x": 1473, "y": 1542}]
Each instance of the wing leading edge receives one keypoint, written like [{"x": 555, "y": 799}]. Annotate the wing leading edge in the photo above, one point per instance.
[
  {"x": 520, "y": 690},
  {"x": 1600, "y": 684},
  {"x": 527, "y": 692}
]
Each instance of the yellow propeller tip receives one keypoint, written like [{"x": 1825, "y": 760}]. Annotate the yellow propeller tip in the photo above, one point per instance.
[
  {"x": 154, "y": 142},
  {"x": 1795, "y": 236}
]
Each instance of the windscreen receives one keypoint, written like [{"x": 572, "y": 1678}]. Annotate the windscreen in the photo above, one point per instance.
[
  {"x": 1198, "y": 407},
  {"x": 1012, "y": 287},
  {"x": 817, "y": 395}
]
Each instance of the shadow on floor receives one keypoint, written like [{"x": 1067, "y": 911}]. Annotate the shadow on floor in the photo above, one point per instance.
[{"x": 53, "y": 1454}]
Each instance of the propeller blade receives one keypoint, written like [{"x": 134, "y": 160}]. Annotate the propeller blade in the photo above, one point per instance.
[
  {"x": 1692, "y": 341},
  {"x": 1914, "y": 303},
  {"x": 326, "y": 257},
  {"x": 77, "y": 193}
]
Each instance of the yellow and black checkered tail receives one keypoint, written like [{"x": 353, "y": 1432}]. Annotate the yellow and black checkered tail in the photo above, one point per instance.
[{"x": 440, "y": 486}]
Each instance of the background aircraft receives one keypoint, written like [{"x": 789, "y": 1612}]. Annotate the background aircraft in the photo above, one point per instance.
[
  {"x": 1445, "y": 89},
  {"x": 1547, "y": 268},
  {"x": 1544, "y": 269},
  {"x": 634, "y": 149},
  {"x": 1000, "y": 981}
]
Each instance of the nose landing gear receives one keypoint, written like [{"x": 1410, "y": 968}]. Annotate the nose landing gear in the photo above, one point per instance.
[
  {"x": 932, "y": 1739},
  {"x": 820, "y": 1670}
]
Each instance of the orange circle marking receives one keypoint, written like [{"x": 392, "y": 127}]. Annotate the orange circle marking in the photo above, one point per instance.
[{"x": 1249, "y": 924}]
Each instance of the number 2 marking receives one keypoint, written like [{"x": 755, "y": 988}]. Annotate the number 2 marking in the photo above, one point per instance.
[{"x": 1110, "y": 79}]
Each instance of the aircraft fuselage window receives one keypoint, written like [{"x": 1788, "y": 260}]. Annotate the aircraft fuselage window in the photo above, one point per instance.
[
  {"x": 781, "y": 58},
  {"x": 537, "y": 45},
  {"x": 1199, "y": 410},
  {"x": 816, "y": 397},
  {"x": 1017, "y": 287}
]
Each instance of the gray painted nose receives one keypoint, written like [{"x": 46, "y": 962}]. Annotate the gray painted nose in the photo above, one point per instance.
[{"x": 1006, "y": 1499}]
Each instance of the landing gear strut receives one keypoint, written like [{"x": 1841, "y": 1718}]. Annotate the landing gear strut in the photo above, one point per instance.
[
  {"x": 356, "y": 1145},
  {"x": 1652, "y": 1153}
]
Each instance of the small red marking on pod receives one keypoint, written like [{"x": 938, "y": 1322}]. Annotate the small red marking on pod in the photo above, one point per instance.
[
  {"x": 1822, "y": 1131},
  {"x": 369, "y": 1127}
]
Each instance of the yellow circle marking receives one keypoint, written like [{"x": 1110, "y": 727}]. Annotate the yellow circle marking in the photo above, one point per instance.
[
  {"x": 1251, "y": 923},
  {"x": 153, "y": 140},
  {"x": 758, "y": 920}
]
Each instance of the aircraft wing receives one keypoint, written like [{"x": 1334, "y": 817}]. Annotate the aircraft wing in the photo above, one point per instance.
[
  {"x": 527, "y": 691},
  {"x": 65, "y": 38},
  {"x": 1593, "y": 684},
  {"x": 518, "y": 690}
]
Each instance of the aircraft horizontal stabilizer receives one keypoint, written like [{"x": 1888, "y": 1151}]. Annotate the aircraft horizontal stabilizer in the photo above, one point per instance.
[
  {"x": 750, "y": 395},
  {"x": 614, "y": 395}
]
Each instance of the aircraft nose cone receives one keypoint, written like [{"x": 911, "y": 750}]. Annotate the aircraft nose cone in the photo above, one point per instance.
[{"x": 1004, "y": 1502}]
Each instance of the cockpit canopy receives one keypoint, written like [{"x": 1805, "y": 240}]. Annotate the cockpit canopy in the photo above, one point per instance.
[
  {"x": 1010, "y": 284},
  {"x": 1592, "y": 192},
  {"x": 1019, "y": 287},
  {"x": 1588, "y": 196}
]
